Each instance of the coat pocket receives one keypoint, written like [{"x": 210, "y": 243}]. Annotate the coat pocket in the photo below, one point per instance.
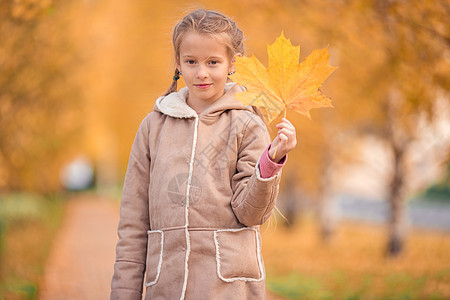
[
  {"x": 238, "y": 255},
  {"x": 155, "y": 249}
]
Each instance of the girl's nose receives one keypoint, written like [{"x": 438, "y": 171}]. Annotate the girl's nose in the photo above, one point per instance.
[{"x": 201, "y": 73}]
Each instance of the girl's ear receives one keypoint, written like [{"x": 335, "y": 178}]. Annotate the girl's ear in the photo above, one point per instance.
[
  {"x": 234, "y": 57},
  {"x": 177, "y": 64},
  {"x": 232, "y": 67}
]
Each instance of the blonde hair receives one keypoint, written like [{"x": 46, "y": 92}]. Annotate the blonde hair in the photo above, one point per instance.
[{"x": 209, "y": 23}]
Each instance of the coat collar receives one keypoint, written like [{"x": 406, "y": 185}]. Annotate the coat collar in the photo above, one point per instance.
[{"x": 175, "y": 105}]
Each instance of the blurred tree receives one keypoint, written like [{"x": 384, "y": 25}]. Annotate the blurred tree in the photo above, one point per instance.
[
  {"x": 394, "y": 65},
  {"x": 125, "y": 65},
  {"x": 37, "y": 107}
]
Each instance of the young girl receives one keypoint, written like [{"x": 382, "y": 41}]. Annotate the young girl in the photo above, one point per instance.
[{"x": 200, "y": 179}]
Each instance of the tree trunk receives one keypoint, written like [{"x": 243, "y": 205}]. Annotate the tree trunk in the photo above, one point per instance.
[
  {"x": 326, "y": 211},
  {"x": 326, "y": 218},
  {"x": 397, "y": 222}
]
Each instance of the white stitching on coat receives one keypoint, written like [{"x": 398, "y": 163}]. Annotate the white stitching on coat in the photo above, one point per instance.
[
  {"x": 258, "y": 253},
  {"x": 158, "y": 270},
  {"x": 188, "y": 241}
]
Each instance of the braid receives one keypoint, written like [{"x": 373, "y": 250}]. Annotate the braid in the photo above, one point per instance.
[{"x": 174, "y": 86}]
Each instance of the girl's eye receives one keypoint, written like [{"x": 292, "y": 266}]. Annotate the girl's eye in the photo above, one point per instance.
[
  {"x": 214, "y": 62},
  {"x": 190, "y": 62}
]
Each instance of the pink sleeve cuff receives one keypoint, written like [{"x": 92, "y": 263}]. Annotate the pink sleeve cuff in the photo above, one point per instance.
[{"x": 267, "y": 167}]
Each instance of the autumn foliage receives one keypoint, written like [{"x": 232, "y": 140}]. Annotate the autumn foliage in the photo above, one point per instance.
[
  {"x": 77, "y": 78},
  {"x": 353, "y": 266},
  {"x": 87, "y": 72},
  {"x": 285, "y": 83},
  {"x": 39, "y": 106}
]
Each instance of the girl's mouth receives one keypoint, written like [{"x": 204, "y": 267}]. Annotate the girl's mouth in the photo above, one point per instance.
[{"x": 203, "y": 86}]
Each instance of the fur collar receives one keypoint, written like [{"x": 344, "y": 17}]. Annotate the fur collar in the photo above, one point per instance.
[{"x": 175, "y": 105}]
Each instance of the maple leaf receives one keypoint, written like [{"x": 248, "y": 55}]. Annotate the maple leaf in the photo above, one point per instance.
[{"x": 285, "y": 83}]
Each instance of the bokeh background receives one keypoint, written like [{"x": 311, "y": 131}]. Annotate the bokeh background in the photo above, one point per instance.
[{"x": 364, "y": 211}]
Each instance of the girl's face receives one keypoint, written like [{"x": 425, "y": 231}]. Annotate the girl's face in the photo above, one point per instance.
[{"x": 205, "y": 65}]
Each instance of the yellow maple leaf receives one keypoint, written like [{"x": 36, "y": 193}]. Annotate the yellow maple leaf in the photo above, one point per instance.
[{"x": 285, "y": 83}]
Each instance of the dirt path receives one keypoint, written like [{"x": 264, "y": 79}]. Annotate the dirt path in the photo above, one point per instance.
[{"x": 80, "y": 265}]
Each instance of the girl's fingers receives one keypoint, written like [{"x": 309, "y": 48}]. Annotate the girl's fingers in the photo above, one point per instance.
[
  {"x": 286, "y": 132},
  {"x": 287, "y": 125},
  {"x": 291, "y": 138},
  {"x": 283, "y": 146},
  {"x": 283, "y": 141},
  {"x": 283, "y": 138},
  {"x": 286, "y": 138},
  {"x": 283, "y": 120}
]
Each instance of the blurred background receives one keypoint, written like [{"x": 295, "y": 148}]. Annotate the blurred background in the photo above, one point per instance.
[{"x": 365, "y": 195}]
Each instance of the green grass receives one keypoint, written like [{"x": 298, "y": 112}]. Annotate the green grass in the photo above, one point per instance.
[
  {"x": 301, "y": 286},
  {"x": 28, "y": 223},
  {"x": 297, "y": 286}
]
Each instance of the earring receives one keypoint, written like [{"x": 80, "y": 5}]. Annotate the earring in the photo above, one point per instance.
[
  {"x": 231, "y": 73},
  {"x": 181, "y": 73}
]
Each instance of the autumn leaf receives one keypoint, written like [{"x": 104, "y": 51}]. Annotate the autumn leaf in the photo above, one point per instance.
[{"x": 285, "y": 83}]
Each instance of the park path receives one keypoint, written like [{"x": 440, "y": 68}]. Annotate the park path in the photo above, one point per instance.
[{"x": 80, "y": 264}]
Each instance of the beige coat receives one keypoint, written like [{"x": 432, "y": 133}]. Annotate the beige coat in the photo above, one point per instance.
[{"x": 192, "y": 204}]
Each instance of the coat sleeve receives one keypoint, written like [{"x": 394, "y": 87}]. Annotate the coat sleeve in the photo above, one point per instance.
[
  {"x": 253, "y": 196},
  {"x": 131, "y": 249}
]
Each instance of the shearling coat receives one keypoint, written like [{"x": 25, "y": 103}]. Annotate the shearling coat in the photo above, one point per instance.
[{"x": 192, "y": 203}]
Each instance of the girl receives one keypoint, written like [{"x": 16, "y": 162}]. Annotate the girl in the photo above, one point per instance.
[{"x": 200, "y": 179}]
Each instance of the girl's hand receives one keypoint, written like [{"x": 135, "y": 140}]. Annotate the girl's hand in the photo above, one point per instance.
[{"x": 286, "y": 140}]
